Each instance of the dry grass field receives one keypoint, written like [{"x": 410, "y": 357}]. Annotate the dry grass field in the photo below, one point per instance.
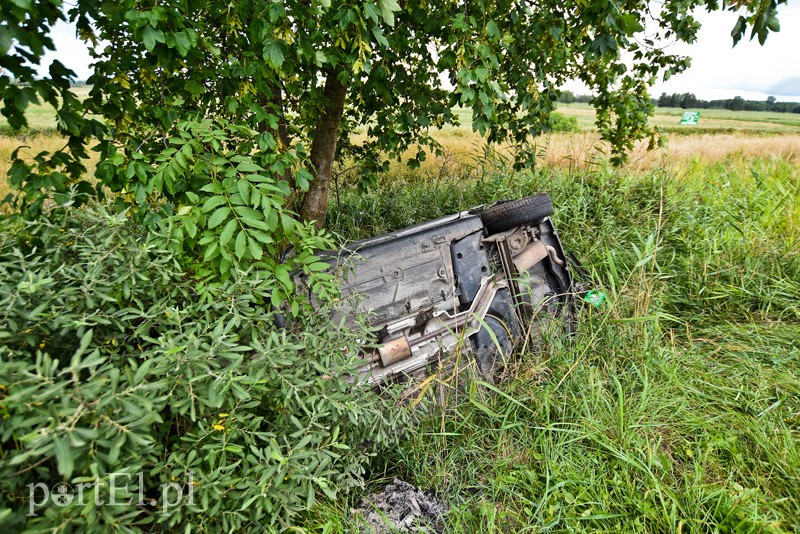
[
  {"x": 584, "y": 151},
  {"x": 586, "y": 148}
]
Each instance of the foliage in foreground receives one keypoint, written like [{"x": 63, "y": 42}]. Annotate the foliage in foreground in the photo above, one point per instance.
[
  {"x": 120, "y": 370},
  {"x": 676, "y": 407}
]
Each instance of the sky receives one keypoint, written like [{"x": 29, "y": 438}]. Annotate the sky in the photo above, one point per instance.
[{"x": 718, "y": 69}]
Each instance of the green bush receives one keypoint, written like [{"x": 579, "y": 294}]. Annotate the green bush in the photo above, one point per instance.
[
  {"x": 558, "y": 122},
  {"x": 127, "y": 379}
]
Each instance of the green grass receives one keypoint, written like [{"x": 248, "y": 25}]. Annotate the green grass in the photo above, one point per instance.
[
  {"x": 41, "y": 117},
  {"x": 675, "y": 408}
]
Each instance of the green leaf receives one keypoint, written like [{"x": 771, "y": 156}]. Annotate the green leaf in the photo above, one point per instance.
[
  {"x": 376, "y": 31},
  {"x": 63, "y": 458},
  {"x": 282, "y": 275},
  {"x": 244, "y": 190},
  {"x": 151, "y": 36},
  {"x": 388, "y": 9},
  {"x": 212, "y": 251},
  {"x": 255, "y": 248},
  {"x": 288, "y": 224},
  {"x": 213, "y": 187},
  {"x": 302, "y": 178},
  {"x": 255, "y": 198},
  {"x": 249, "y": 166},
  {"x": 86, "y": 340},
  {"x": 630, "y": 24},
  {"x": 318, "y": 266},
  {"x": 227, "y": 232},
  {"x": 273, "y": 54},
  {"x": 191, "y": 227},
  {"x": 218, "y": 217},
  {"x": 182, "y": 43},
  {"x": 5, "y": 42},
  {"x": 241, "y": 244},
  {"x": 250, "y": 213},
  {"x": 214, "y": 202},
  {"x": 255, "y": 223},
  {"x": 261, "y": 236},
  {"x": 142, "y": 371}
]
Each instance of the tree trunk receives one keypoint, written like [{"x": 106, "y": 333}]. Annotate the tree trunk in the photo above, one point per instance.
[
  {"x": 282, "y": 132},
  {"x": 323, "y": 151}
]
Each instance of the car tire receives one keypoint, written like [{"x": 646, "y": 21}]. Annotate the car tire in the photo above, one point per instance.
[
  {"x": 491, "y": 349},
  {"x": 508, "y": 215}
]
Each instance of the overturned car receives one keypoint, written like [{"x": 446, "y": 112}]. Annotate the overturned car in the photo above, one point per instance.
[{"x": 474, "y": 283}]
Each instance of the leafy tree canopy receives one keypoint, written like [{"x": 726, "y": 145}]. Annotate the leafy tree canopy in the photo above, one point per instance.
[{"x": 232, "y": 113}]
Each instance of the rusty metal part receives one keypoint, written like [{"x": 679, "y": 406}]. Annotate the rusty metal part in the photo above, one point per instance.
[
  {"x": 518, "y": 240},
  {"x": 533, "y": 254},
  {"x": 516, "y": 237},
  {"x": 445, "y": 334},
  {"x": 394, "y": 351},
  {"x": 554, "y": 255}
]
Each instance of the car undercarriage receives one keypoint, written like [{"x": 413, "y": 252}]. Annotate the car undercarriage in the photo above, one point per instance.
[{"x": 476, "y": 283}]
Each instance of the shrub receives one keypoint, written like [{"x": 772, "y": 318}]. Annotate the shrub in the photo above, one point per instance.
[
  {"x": 559, "y": 122},
  {"x": 120, "y": 371}
]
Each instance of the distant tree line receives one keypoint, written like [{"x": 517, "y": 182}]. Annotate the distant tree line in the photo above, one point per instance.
[
  {"x": 737, "y": 103},
  {"x": 568, "y": 97},
  {"x": 689, "y": 100}
]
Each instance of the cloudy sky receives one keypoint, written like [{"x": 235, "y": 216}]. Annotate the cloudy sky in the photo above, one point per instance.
[{"x": 718, "y": 70}]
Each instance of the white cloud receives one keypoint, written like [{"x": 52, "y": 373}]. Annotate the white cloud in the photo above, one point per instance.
[
  {"x": 720, "y": 70},
  {"x": 787, "y": 86},
  {"x": 70, "y": 51}
]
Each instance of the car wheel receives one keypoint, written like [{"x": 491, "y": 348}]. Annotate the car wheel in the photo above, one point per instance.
[
  {"x": 508, "y": 215},
  {"x": 491, "y": 347}
]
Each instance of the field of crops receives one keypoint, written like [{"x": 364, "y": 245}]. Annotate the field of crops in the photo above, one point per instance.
[
  {"x": 711, "y": 120},
  {"x": 675, "y": 407}
]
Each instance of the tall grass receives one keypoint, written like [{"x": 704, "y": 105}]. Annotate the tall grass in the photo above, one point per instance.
[{"x": 675, "y": 407}]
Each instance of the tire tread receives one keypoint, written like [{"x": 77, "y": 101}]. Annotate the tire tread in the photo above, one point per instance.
[{"x": 526, "y": 210}]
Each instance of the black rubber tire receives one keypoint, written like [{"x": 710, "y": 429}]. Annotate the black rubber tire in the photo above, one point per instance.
[
  {"x": 489, "y": 356},
  {"x": 517, "y": 212}
]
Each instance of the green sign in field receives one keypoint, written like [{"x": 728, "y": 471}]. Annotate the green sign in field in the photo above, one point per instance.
[{"x": 690, "y": 117}]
